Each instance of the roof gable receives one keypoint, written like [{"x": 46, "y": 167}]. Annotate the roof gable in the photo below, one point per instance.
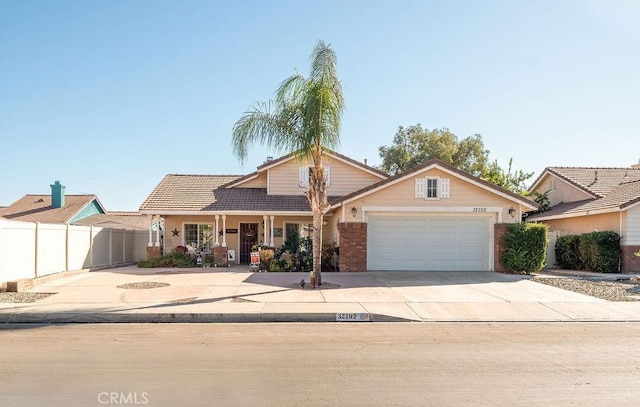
[
  {"x": 612, "y": 189},
  {"x": 596, "y": 181},
  {"x": 37, "y": 208},
  {"x": 435, "y": 163}
]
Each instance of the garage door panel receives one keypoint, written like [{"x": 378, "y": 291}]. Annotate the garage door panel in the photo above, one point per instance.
[{"x": 428, "y": 243}]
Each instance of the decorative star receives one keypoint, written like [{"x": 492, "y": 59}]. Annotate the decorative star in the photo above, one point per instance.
[{"x": 175, "y": 232}]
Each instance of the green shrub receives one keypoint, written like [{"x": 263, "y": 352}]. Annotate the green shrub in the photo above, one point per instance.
[
  {"x": 568, "y": 252},
  {"x": 174, "y": 259},
  {"x": 600, "y": 251},
  {"x": 525, "y": 246}
]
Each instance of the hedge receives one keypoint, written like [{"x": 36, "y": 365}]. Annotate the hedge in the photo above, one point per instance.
[
  {"x": 568, "y": 252},
  {"x": 600, "y": 251},
  {"x": 595, "y": 251},
  {"x": 525, "y": 246}
]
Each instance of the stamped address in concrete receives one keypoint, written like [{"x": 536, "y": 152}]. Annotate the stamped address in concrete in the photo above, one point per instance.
[{"x": 353, "y": 317}]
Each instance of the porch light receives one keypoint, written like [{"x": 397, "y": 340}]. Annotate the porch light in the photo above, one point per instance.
[
  {"x": 512, "y": 212},
  {"x": 354, "y": 211}
]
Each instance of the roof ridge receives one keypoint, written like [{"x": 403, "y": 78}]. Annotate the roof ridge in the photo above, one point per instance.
[
  {"x": 205, "y": 175},
  {"x": 594, "y": 168}
]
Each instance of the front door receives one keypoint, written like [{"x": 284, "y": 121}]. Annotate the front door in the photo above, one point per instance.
[{"x": 248, "y": 238}]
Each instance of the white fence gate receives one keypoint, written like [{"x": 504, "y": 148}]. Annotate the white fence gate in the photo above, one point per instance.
[{"x": 29, "y": 250}]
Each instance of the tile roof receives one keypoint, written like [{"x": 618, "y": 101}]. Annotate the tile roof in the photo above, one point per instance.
[
  {"x": 596, "y": 181},
  {"x": 118, "y": 220},
  {"x": 205, "y": 193},
  {"x": 613, "y": 189},
  {"x": 37, "y": 208},
  {"x": 185, "y": 192}
]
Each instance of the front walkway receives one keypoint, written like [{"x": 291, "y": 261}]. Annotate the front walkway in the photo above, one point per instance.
[{"x": 236, "y": 295}]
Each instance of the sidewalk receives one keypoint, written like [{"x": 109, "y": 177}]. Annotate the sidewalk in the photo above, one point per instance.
[{"x": 236, "y": 295}]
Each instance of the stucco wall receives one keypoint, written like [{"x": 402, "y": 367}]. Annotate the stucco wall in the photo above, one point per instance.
[
  {"x": 585, "y": 224},
  {"x": 345, "y": 178},
  {"x": 563, "y": 191},
  {"x": 463, "y": 194}
]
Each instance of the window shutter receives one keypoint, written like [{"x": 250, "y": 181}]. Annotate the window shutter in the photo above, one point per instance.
[
  {"x": 421, "y": 187},
  {"x": 445, "y": 188},
  {"x": 327, "y": 175},
  {"x": 303, "y": 177}
]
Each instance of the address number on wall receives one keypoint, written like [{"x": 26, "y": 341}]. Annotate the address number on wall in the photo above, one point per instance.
[{"x": 479, "y": 209}]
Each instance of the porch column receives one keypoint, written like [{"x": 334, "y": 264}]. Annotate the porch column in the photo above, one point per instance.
[
  {"x": 271, "y": 244},
  {"x": 224, "y": 230},
  {"x": 158, "y": 232},
  {"x": 264, "y": 222},
  {"x": 150, "y": 243},
  {"x": 217, "y": 226}
]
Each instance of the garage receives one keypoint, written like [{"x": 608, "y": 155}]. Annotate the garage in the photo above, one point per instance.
[{"x": 428, "y": 243}]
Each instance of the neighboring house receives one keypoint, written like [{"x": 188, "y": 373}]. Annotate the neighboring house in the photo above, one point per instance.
[
  {"x": 54, "y": 208},
  {"x": 433, "y": 217},
  {"x": 592, "y": 199},
  {"x": 117, "y": 220}
]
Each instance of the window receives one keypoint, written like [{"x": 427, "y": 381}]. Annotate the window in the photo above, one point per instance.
[
  {"x": 198, "y": 236},
  {"x": 305, "y": 176},
  {"x": 432, "y": 187},
  {"x": 301, "y": 229}
]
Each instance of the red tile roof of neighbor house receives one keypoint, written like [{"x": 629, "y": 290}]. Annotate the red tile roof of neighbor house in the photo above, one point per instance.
[
  {"x": 612, "y": 189},
  {"x": 37, "y": 208}
]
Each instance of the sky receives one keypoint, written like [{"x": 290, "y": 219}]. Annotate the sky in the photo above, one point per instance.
[{"x": 110, "y": 96}]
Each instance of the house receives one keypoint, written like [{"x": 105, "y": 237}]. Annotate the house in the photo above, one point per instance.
[
  {"x": 432, "y": 217},
  {"x": 60, "y": 208},
  {"x": 54, "y": 208},
  {"x": 117, "y": 220},
  {"x": 584, "y": 200}
]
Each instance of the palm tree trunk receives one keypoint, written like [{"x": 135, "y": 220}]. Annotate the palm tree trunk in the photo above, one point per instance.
[
  {"x": 317, "y": 248},
  {"x": 318, "y": 203}
]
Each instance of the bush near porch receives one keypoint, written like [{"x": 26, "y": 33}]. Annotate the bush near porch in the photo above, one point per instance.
[
  {"x": 525, "y": 247},
  {"x": 295, "y": 255},
  {"x": 595, "y": 251}
]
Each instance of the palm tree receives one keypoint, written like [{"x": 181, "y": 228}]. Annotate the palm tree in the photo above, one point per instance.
[{"x": 303, "y": 119}]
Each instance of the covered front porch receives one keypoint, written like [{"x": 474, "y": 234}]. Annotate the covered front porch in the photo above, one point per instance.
[{"x": 231, "y": 237}]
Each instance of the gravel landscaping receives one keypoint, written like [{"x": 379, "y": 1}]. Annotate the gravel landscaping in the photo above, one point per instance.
[
  {"x": 23, "y": 297},
  {"x": 622, "y": 290}
]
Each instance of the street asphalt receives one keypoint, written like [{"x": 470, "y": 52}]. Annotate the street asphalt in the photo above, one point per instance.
[{"x": 130, "y": 294}]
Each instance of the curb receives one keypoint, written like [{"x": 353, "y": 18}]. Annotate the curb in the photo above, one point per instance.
[{"x": 124, "y": 318}]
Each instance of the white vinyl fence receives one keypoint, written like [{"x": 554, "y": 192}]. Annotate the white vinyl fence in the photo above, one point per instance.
[{"x": 30, "y": 250}]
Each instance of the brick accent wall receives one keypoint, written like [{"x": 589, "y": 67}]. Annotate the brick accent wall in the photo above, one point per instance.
[
  {"x": 153, "y": 251},
  {"x": 499, "y": 230},
  {"x": 353, "y": 246},
  {"x": 630, "y": 263},
  {"x": 220, "y": 255}
]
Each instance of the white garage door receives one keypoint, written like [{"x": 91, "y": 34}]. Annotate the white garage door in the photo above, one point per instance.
[{"x": 428, "y": 243}]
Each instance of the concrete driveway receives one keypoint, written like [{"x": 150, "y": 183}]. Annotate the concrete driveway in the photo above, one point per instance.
[{"x": 236, "y": 295}]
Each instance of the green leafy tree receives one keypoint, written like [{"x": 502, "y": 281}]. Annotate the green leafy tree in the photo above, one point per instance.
[
  {"x": 513, "y": 181},
  {"x": 413, "y": 146},
  {"x": 304, "y": 119}
]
